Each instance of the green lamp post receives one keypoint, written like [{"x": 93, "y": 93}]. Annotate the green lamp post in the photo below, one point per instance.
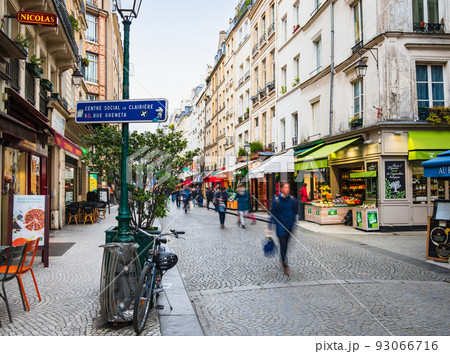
[
  {"x": 128, "y": 10},
  {"x": 247, "y": 151}
]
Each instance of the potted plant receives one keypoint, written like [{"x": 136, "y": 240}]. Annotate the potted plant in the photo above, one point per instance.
[
  {"x": 85, "y": 62},
  {"x": 240, "y": 120},
  {"x": 75, "y": 25},
  {"x": 439, "y": 115},
  {"x": 356, "y": 122},
  {"x": 296, "y": 27},
  {"x": 256, "y": 146},
  {"x": 34, "y": 66},
  {"x": 22, "y": 42},
  {"x": 47, "y": 85},
  {"x": 283, "y": 90},
  {"x": 422, "y": 24}
]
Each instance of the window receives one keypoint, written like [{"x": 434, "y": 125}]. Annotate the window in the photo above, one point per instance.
[
  {"x": 91, "y": 97},
  {"x": 358, "y": 102},
  {"x": 295, "y": 121},
  {"x": 264, "y": 25},
  {"x": 273, "y": 65},
  {"x": 91, "y": 70},
  {"x": 91, "y": 33},
  {"x": 256, "y": 35},
  {"x": 285, "y": 31},
  {"x": 315, "y": 107},
  {"x": 256, "y": 122},
  {"x": 272, "y": 13},
  {"x": 283, "y": 132},
  {"x": 264, "y": 73},
  {"x": 297, "y": 67},
  {"x": 426, "y": 11},
  {"x": 358, "y": 22},
  {"x": 318, "y": 51},
  {"x": 430, "y": 85},
  {"x": 297, "y": 14},
  {"x": 284, "y": 77},
  {"x": 257, "y": 78}
]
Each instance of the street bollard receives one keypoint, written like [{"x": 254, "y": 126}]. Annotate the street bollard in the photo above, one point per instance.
[{"x": 120, "y": 271}]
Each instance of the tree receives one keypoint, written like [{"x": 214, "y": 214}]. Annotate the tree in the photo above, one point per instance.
[{"x": 156, "y": 162}]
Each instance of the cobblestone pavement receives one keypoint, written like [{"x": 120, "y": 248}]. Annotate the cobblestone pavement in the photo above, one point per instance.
[
  {"x": 336, "y": 287},
  {"x": 69, "y": 289}
]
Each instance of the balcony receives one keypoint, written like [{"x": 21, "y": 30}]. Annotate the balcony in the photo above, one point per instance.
[
  {"x": 431, "y": 28},
  {"x": 255, "y": 49},
  {"x": 247, "y": 75},
  {"x": 262, "y": 94},
  {"x": 63, "y": 16},
  {"x": 262, "y": 40},
  {"x": 283, "y": 145},
  {"x": 254, "y": 99},
  {"x": 294, "y": 141},
  {"x": 270, "y": 86},
  {"x": 271, "y": 30}
]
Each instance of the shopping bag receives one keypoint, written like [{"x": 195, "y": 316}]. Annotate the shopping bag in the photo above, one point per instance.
[
  {"x": 191, "y": 206},
  {"x": 269, "y": 247}
]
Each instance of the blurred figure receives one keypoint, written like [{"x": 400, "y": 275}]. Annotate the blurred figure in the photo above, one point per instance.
[
  {"x": 283, "y": 216},
  {"x": 209, "y": 196},
  {"x": 194, "y": 195},
  {"x": 186, "y": 195},
  {"x": 243, "y": 199},
  {"x": 304, "y": 193},
  {"x": 178, "y": 198},
  {"x": 220, "y": 202},
  {"x": 200, "y": 197}
]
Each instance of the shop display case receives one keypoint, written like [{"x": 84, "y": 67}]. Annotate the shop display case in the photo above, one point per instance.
[
  {"x": 419, "y": 189},
  {"x": 352, "y": 187}
]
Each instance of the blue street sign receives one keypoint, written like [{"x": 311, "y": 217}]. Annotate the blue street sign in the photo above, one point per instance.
[{"x": 123, "y": 111}]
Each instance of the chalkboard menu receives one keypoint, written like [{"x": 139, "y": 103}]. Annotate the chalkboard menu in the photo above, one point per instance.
[
  {"x": 395, "y": 186},
  {"x": 372, "y": 166}
]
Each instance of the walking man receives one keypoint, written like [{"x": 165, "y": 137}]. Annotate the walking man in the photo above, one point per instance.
[
  {"x": 209, "y": 197},
  {"x": 200, "y": 197},
  {"x": 243, "y": 199},
  {"x": 283, "y": 215},
  {"x": 220, "y": 201}
]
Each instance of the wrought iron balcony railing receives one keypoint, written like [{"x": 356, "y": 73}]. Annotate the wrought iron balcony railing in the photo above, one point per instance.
[
  {"x": 65, "y": 21},
  {"x": 424, "y": 27},
  {"x": 262, "y": 40},
  {"x": 271, "y": 30},
  {"x": 294, "y": 141},
  {"x": 283, "y": 145},
  {"x": 12, "y": 69},
  {"x": 255, "y": 49}
]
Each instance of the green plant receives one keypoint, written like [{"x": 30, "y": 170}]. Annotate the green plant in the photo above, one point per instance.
[
  {"x": 256, "y": 146},
  {"x": 24, "y": 41},
  {"x": 247, "y": 110},
  {"x": 85, "y": 62},
  {"x": 439, "y": 115},
  {"x": 297, "y": 80},
  {"x": 241, "y": 152},
  {"x": 354, "y": 120},
  {"x": 36, "y": 60},
  {"x": 283, "y": 90},
  {"x": 155, "y": 169},
  {"x": 75, "y": 24}
]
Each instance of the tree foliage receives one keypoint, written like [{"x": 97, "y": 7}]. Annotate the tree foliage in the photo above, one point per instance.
[{"x": 156, "y": 159}]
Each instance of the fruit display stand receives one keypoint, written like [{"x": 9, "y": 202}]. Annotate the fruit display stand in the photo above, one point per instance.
[
  {"x": 326, "y": 215},
  {"x": 366, "y": 219}
]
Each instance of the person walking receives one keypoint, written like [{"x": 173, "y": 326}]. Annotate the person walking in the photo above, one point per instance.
[
  {"x": 178, "y": 198},
  {"x": 186, "y": 195},
  {"x": 243, "y": 199},
  {"x": 200, "y": 197},
  {"x": 283, "y": 216},
  {"x": 209, "y": 197},
  {"x": 220, "y": 202}
]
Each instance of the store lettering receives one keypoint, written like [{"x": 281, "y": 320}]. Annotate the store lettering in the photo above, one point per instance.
[
  {"x": 444, "y": 170},
  {"x": 35, "y": 18}
]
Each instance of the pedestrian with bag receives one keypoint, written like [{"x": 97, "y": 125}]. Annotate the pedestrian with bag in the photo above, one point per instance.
[
  {"x": 220, "y": 201},
  {"x": 243, "y": 199},
  {"x": 283, "y": 215}
]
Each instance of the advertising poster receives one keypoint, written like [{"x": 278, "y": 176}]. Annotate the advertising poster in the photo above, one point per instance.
[
  {"x": 29, "y": 219},
  {"x": 359, "y": 220},
  {"x": 372, "y": 219},
  {"x": 395, "y": 180},
  {"x": 92, "y": 183}
]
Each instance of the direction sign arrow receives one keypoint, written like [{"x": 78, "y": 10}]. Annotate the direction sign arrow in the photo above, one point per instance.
[{"x": 123, "y": 111}]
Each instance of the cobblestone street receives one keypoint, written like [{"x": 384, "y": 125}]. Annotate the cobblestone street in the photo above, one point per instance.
[
  {"x": 69, "y": 289},
  {"x": 337, "y": 286}
]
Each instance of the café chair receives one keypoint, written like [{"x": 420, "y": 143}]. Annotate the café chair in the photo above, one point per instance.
[
  {"x": 14, "y": 263},
  {"x": 89, "y": 213},
  {"x": 72, "y": 213}
]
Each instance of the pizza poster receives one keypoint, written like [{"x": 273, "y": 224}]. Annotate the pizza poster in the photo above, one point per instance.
[{"x": 28, "y": 219}]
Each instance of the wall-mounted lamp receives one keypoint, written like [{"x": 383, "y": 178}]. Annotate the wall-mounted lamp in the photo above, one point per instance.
[
  {"x": 398, "y": 132},
  {"x": 367, "y": 142}
]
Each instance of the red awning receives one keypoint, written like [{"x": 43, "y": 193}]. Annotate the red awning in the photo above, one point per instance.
[
  {"x": 66, "y": 144},
  {"x": 212, "y": 179}
]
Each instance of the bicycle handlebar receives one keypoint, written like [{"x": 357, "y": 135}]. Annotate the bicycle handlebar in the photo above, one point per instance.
[{"x": 171, "y": 233}]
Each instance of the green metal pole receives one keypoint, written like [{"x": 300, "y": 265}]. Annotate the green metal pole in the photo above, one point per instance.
[
  {"x": 124, "y": 218},
  {"x": 248, "y": 187}
]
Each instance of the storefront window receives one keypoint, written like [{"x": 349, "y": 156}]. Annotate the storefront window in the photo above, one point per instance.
[
  {"x": 419, "y": 183},
  {"x": 70, "y": 184},
  {"x": 353, "y": 187},
  {"x": 35, "y": 175},
  {"x": 14, "y": 171},
  {"x": 437, "y": 189}
]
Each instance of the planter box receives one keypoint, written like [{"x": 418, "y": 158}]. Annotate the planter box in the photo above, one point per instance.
[
  {"x": 254, "y": 156},
  {"x": 57, "y": 97},
  {"x": 35, "y": 69},
  {"x": 356, "y": 123},
  {"x": 145, "y": 243},
  {"x": 47, "y": 85}
]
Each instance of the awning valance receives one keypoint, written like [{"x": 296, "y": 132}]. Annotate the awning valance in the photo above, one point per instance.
[
  {"x": 426, "y": 145},
  {"x": 311, "y": 165},
  {"x": 16, "y": 128},
  {"x": 283, "y": 163},
  {"x": 438, "y": 167},
  {"x": 66, "y": 144},
  {"x": 367, "y": 174}
]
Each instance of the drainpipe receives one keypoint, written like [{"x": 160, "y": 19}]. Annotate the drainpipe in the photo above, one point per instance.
[{"x": 332, "y": 65}]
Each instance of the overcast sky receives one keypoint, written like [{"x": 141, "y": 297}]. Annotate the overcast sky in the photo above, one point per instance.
[{"x": 172, "y": 41}]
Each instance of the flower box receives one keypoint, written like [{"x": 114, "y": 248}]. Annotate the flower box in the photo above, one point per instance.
[
  {"x": 47, "y": 85},
  {"x": 35, "y": 70}
]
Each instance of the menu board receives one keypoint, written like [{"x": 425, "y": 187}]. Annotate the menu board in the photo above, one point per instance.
[{"x": 395, "y": 186}]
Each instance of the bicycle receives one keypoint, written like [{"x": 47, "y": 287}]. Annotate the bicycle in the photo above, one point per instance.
[{"x": 149, "y": 285}]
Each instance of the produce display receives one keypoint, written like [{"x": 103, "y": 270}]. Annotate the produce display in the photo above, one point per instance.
[
  {"x": 369, "y": 205},
  {"x": 343, "y": 202}
]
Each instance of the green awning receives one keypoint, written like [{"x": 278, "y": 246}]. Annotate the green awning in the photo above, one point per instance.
[
  {"x": 311, "y": 165},
  {"x": 368, "y": 174},
  {"x": 324, "y": 151},
  {"x": 424, "y": 155},
  {"x": 301, "y": 150},
  {"x": 429, "y": 140}
]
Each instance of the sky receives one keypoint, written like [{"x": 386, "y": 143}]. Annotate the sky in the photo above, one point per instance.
[{"x": 172, "y": 41}]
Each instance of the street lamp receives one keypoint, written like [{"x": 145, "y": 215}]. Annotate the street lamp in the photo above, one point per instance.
[
  {"x": 128, "y": 10},
  {"x": 77, "y": 77},
  {"x": 361, "y": 68},
  {"x": 247, "y": 151}
]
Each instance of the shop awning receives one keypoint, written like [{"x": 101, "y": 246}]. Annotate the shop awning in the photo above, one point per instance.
[
  {"x": 16, "y": 128},
  {"x": 319, "y": 157},
  {"x": 66, "y": 144},
  {"x": 438, "y": 167},
  {"x": 307, "y": 147},
  {"x": 426, "y": 145},
  {"x": 283, "y": 163},
  {"x": 212, "y": 179},
  {"x": 367, "y": 174}
]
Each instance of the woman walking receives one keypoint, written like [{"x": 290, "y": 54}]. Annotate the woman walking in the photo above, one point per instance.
[
  {"x": 243, "y": 199},
  {"x": 220, "y": 201}
]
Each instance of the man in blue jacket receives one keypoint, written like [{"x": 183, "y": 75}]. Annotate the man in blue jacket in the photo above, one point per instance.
[{"x": 284, "y": 215}]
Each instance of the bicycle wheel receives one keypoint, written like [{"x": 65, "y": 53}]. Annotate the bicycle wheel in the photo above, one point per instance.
[{"x": 143, "y": 298}]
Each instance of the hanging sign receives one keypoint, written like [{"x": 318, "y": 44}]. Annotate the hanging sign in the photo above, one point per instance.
[
  {"x": 123, "y": 111},
  {"x": 37, "y": 18}
]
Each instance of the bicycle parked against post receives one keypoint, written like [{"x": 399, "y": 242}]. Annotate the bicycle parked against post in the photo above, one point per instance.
[{"x": 149, "y": 284}]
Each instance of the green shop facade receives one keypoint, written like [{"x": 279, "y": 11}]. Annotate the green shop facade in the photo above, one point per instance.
[{"x": 381, "y": 164}]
